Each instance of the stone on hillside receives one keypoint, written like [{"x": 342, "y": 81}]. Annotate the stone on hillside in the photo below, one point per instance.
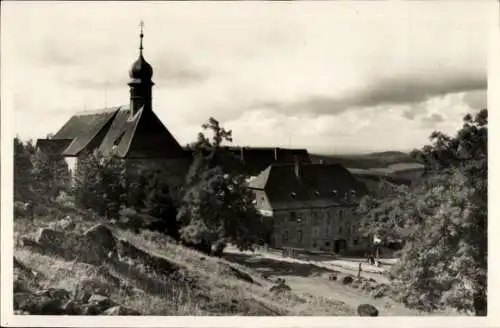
[
  {"x": 97, "y": 244},
  {"x": 101, "y": 235},
  {"x": 367, "y": 310},
  {"x": 280, "y": 288},
  {"x": 102, "y": 301},
  {"x": 49, "y": 237},
  {"x": 91, "y": 286},
  {"x": 347, "y": 280},
  {"x": 37, "y": 304},
  {"x": 55, "y": 293},
  {"x": 63, "y": 224},
  {"x": 71, "y": 308},
  {"x": 239, "y": 274},
  {"x": 333, "y": 276},
  {"x": 120, "y": 310}
]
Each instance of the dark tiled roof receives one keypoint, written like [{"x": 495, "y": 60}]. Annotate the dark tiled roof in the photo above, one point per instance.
[
  {"x": 140, "y": 136},
  {"x": 257, "y": 159},
  {"x": 316, "y": 185},
  {"x": 52, "y": 146},
  {"x": 82, "y": 128}
]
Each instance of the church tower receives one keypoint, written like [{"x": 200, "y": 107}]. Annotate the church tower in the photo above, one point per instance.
[{"x": 140, "y": 83}]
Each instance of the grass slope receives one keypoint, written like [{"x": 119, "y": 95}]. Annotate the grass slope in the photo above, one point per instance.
[{"x": 211, "y": 286}]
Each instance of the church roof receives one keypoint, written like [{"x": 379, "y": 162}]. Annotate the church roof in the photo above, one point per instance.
[
  {"x": 52, "y": 146},
  {"x": 114, "y": 129},
  {"x": 140, "y": 136},
  {"x": 83, "y": 128}
]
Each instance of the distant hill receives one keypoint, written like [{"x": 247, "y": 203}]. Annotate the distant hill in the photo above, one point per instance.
[
  {"x": 395, "y": 164},
  {"x": 389, "y": 159}
]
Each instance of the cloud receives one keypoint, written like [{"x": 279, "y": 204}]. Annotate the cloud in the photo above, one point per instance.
[
  {"x": 476, "y": 99},
  {"x": 432, "y": 120},
  {"x": 386, "y": 91},
  {"x": 171, "y": 69}
]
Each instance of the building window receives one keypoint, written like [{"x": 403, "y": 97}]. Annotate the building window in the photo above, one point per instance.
[
  {"x": 293, "y": 216},
  {"x": 327, "y": 244},
  {"x": 314, "y": 244},
  {"x": 327, "y": 231},
  {"x": 315, "y": 232},
  {"x": 355, "y": 242},
  {"x": 329, "y": 219},
  {"x": 285, "y": 237},
  {"x": 293, "y": 195},
  {"x": 340, "y": 229},
  {"x": 341, "y": 215},
  {"x": 299, "y": 235}
]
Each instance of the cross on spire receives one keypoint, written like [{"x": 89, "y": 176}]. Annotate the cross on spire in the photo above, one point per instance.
[{"x": 141, "y": 35}]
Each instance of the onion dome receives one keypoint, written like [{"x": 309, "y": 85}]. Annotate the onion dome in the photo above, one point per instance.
[{"x": 141, "y": 69}]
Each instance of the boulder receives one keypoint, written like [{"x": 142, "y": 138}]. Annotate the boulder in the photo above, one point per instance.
[
  {"x": 102, "y": 235},
  {"x": 333, "y": 276},
  {"x": 71, "y": 308},
  {"x": 367, "y": 310},
  {"x": 120, "y": 310},
  {"x": 103, "y": 302},
  {"x": 38, "y": 304},
  {"x": 55, "y": 293},
  {"x": 347, "y": 280},
  {"x": 63, "y": 224},
  {"x": 280, "y": 288},
  {"x": 50, "y": 237},
  {"x": 85, "y": 288}
]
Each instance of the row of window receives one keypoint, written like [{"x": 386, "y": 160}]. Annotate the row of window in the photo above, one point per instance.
[
  {"x": 355, "y": 241},
  {"x": 316, "y": 218},
  {"x": 315, "y": 233}
]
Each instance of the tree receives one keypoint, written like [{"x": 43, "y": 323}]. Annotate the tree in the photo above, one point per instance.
[
  {"x": 50, "y": 174},
  {"x": 100, "y": 184},
  {"x": 22, "y": 172},
  {"x": 217, "y": 206},
  {"x": 443, "y": 221}
]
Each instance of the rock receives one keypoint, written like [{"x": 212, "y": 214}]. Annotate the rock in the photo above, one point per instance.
[
  {"x": 47, "y": 236},
  {"x": 91, "y": 309},
  {"x": 70, "y": 308},
  {"x": 101, "y": 235},
  {"x": 102, "y": 301},
  {"x": 37, "y": 304},
  {"x": 85, "y": 288},
  {"x": 239, "y": 274},
  {"x": 55, "y": 293},
  {"x": 280, "y": 288},
  {"x": 367, "y": 310},
  {"x": 347, "y": 280},
  {"x": 333, "y": 276},
  {"x": 63, "y": 224},
  {"x": 120, "y": 310}
]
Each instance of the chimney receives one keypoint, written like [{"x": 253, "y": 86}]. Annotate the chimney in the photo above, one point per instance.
[
  {"x": 276, "y": 149},
  {"x": 296, "y": 166}
]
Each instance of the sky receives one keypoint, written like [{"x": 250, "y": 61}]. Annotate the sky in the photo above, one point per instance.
[{"x": 334, "y": 77}]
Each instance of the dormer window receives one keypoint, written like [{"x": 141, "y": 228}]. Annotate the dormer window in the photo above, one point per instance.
[
  {"x": 293, "y": 194},
  {"x": 334, "y": 192}
]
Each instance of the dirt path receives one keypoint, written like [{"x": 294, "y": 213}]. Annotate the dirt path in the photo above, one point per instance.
[{"x": 319, "y": 286}]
